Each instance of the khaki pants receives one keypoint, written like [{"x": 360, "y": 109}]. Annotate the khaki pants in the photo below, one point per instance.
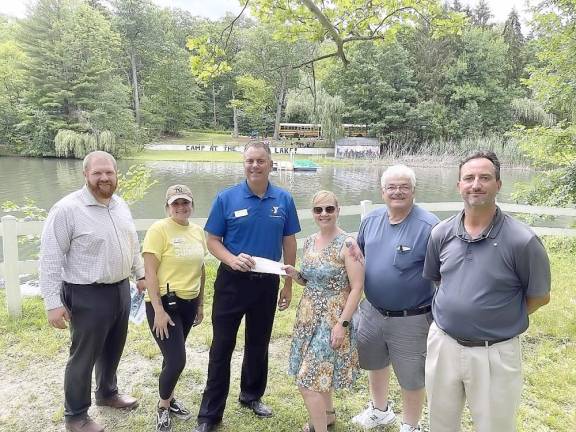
[{"x": 489, "y": 378}]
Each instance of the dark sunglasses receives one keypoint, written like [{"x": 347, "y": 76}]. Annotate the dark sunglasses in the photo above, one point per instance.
[{"x": 328, "y": 209}]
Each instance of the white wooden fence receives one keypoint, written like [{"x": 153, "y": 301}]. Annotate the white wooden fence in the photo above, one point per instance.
[{"x": 11, "y": 229}]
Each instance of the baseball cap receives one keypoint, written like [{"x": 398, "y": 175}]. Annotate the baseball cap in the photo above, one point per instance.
[{"x": 175, "y": 192}]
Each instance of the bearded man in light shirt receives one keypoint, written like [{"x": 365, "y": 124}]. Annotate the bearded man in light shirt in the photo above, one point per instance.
[{"x": 89, "y": 248}]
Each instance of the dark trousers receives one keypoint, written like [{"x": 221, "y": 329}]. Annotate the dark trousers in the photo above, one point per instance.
[
  {"x": 238, "y": 294},
  {"x": 174, "y": 347},
  {"x": 98, "y": 328}
]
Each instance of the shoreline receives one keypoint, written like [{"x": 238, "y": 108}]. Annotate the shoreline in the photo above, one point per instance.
[{"x": 441, "y": 161}]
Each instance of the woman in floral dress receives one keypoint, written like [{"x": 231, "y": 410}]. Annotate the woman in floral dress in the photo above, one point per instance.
[{"x": 323, "y": 355}]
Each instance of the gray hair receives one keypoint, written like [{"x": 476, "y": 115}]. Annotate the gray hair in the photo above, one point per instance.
[
  {"x": 89, "y": 156},
  {"x": 398, "y": 171}
]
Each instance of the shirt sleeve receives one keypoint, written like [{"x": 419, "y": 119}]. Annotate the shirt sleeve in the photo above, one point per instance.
[
  {"x": 204, "y": 244},
  {"x": 292, "y": 225},
  {"x": 154, "y": 242},
  {"x": 137, "y": 261},
  {"x": 216, "y": 223},
  {"x": 432, "y": 260},
  {"x": 54, "y": 245},
  {"x": 533, "y": 268}
]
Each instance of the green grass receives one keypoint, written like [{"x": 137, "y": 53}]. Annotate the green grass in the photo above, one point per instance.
[
  {"x": 207, "y": 156},
  {"x": 33, "y": 356},
  {"x": 204, "y": 137}
]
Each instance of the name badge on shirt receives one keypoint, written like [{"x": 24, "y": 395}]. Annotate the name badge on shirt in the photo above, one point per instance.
[{"x": 241, "y": 213}]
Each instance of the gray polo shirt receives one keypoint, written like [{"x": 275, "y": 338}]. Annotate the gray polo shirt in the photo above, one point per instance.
[{"x": 484, "y": 282}]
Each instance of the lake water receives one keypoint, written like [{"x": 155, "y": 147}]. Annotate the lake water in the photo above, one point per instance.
[{"x": 47, "y": 180}]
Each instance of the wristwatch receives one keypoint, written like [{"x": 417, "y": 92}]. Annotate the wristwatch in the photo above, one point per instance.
[{"x": 344, "y": 323}]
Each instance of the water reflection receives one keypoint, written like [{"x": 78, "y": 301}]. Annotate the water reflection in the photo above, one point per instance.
[{"x": 47, "y": 180}]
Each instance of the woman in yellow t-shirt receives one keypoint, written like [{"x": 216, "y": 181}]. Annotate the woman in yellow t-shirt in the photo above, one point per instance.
[{"x": 174, "y": 252}]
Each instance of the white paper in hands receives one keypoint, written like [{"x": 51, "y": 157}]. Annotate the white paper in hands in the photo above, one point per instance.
[
  {"x": 264, "y": 265},
  {"x": 137, "y": 308}
]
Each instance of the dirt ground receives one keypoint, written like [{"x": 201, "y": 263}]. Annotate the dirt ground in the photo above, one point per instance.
[{"x": 31, "y": 398}]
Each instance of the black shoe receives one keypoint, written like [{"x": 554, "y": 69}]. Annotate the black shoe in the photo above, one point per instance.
[
  {"x": 204, "y": 427},
  {"x": 163, "y": 423},
  {"x": 178, "y": 410},
  {"x": 257, "y": 407}
]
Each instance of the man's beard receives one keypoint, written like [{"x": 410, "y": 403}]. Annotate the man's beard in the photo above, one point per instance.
[{"x": 103, "y": 191}]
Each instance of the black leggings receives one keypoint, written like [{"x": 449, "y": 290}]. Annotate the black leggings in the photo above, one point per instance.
[{"x": 173, "y": 348}]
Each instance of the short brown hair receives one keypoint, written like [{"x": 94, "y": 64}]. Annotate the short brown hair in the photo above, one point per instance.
[
  {"x": 258, "y": 144},
  {"x": 482, "y": 154}
]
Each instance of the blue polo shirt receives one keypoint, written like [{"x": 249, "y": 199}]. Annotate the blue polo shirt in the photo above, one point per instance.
[
  {"x": 250, "y": 224},
  {"x": 394, "y": 255}
]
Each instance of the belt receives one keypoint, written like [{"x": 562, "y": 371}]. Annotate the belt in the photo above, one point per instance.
[
  {"x": 247, "y": 275},
  {"x": 405, "y": 313},
  {"x": 97, "y": 284},
  {"x": 478, "y": 343}
]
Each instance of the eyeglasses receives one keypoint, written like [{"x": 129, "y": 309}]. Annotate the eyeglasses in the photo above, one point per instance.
[
  {"x": 328, "y": 209},
  {"x": 401, "y": 188}
]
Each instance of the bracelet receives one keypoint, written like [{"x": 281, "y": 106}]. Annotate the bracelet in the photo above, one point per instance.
[{"x": 301, "y": 278}]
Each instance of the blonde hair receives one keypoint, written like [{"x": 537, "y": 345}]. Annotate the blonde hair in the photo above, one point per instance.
[{"x": 320, "y": 195}]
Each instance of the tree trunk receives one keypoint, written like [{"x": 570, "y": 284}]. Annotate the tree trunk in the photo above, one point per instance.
[
  {"x": 214, "y": 106},
  {"x": 314, "y": 93},
  {"x": 280, "y": 102},
  {"x": 135, "y": 94},
  {"x": 235, "y": 116}
]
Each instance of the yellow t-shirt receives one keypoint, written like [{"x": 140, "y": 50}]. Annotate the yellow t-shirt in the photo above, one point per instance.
[{"x": 181, "y": 251}]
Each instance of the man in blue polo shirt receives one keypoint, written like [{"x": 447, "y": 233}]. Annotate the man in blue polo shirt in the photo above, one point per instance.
[
  {"x": 395, "y": 316},
  {"x": 492, "y": 272},
  {"x": 251, "y": 219}
]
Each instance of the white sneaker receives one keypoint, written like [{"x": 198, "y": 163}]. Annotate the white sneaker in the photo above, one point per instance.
[
  {"x": 408, "y": 428},
  {"x": 372, "y": 417}
]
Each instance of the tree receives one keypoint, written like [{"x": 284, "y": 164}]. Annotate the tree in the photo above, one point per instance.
[
  {"x": 275, "y": 61},
  {"x": 551, "y": 81},
  {"x": 72, "y": 51},
  {"x": 136, "y": 22},
  {"x": 342, "y": 24},
  {"x": 377, "y": 87},
  {"x": 171, "y": 99},
  {"x": 13, "y": 82},
  {"x": 474, "y": 86},
  {"x": 254, "y": 100},
  {"x": 481, "y": 14},
  {"x": 516, "y": 55}
]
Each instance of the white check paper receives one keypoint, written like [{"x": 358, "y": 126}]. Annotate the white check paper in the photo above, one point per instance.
[{"x": 264, "y": 265}]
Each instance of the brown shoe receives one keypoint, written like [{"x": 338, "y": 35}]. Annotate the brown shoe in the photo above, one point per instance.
[
  {"x": 82, "y": 423},
  {"x": 119, "y": 401}
]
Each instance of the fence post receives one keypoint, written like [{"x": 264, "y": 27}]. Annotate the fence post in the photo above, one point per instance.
[
  {"x": 364, "y": 208},
  {"x": 11, "y": 277}
]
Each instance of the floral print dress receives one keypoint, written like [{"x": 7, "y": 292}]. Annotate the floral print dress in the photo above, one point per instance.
[{"x": 314, "y": 363}]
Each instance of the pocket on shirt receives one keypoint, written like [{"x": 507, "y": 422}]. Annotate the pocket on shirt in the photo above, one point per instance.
[{"x": 405, "y": 260}]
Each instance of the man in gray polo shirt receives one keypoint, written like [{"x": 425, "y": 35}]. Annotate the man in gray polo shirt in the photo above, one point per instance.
[
  {"x": 395, "y": 317},
  {"x": 492, "y": 272}
]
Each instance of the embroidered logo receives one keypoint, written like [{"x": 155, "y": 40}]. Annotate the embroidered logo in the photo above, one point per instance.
[{"x": 275, "y": 210}]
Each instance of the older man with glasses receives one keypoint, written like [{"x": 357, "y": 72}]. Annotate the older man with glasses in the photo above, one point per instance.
[{"x": 395, "y": 317}]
